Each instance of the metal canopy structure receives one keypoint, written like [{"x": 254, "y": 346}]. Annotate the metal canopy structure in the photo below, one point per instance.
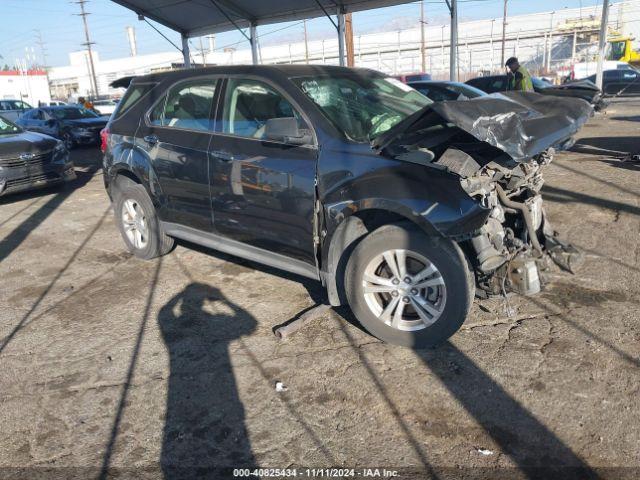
[{"x": 193, "y": 18}]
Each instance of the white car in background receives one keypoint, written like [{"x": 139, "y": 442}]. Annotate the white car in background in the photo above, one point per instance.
[{"x": 105, "y": 107}]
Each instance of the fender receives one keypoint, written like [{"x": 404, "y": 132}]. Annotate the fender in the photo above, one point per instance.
[
  {"x": 126, "y": 157},
  {"x": 431, "y": 199}
]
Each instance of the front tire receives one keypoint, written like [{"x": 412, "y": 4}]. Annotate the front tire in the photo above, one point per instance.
[
  {"x": 139, "y": 225},
  {"x": 407, "y": 288},
  {"x": 68, "y": 140}
]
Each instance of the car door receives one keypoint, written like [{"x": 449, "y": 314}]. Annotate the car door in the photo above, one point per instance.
[
  {"x": 49, "y": 124},
  {"x": 631, "y": 82},
  {"x": 38, "y": 121},
  {"x": 262, "y": 191},
  {"x": 176, "y": 134},
  {"x": 25, "y": 120}
]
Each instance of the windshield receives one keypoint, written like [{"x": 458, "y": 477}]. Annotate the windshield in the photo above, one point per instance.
[
  {"x": 72, "y": 113},
  {"x": 360, "y": 106},
  {"x": 466, "y": 90},
  {"x": 6, "y": 127}
]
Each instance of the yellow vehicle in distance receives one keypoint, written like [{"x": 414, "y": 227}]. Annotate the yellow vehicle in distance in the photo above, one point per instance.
[{"x": 621, "y": 49}]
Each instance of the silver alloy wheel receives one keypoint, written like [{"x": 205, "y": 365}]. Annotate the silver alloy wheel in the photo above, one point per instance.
[
  {"x": 404, "y": 290},
  {"x": 135, "y": 223}
]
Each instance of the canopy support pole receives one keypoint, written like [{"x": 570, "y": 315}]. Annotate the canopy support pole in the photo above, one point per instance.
[
  {"x": 453, "y": 44},
  {"x": 602, "y": 42},
  {"x": 253, "y": 35},
  {"x": 341, "y": 37},
  {"x": 185, "y": 51}
]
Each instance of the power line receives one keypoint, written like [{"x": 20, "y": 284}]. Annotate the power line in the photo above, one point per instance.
[
  {"x": 43, "y": 49},
  {"x": 88, "y": 44}
]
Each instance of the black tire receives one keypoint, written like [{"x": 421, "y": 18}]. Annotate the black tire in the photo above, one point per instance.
[
  {"x": 444, "y": 254},
  {"x": 158, "y": 243},
  {"x": 68, "y": 140}
]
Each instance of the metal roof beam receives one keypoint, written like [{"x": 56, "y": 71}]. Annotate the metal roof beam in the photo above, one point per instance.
[
  {"x": 150, "y": 15},
  {"x": 236, "y": 10}
]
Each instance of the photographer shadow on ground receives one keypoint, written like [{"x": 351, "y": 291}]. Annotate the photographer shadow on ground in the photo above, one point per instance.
[{"x": 205, "y": 421}]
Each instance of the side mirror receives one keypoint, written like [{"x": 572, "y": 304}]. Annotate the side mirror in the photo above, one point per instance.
[
  {"x": 286, "y": 130},
  {"x": 50, "y": 123}
]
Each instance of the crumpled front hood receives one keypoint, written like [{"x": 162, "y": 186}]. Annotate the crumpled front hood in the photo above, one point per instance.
[
  {"x": 522, "y": 124},
  {"x": 25, "y": 142}
]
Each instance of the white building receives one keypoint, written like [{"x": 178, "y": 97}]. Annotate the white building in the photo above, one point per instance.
[
  {"x": 546, "y": 42},
  {"x": 30, "y": 86}
]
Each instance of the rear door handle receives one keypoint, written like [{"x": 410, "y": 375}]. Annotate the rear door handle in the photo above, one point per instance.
[
  {"x": 151, "y": 139},
  {"x": 223, "y": 155}
]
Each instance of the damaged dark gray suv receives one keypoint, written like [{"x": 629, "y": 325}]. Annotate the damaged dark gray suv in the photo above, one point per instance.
[{"x": 403, "y": 208}]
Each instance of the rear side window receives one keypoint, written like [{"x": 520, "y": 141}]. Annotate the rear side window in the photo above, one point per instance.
[
  {"x": 131, "y": 97},
  {"x": 186, "y": 105}
]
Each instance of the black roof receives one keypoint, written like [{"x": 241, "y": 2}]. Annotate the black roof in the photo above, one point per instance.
[
  {"x": 262, "y": 70},
  {"x": 198, "y": 17}
]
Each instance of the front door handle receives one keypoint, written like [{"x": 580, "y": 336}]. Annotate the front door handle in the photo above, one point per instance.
[
  {"x": 151, "y": 139},
  {"x": 223, "y": 155}
]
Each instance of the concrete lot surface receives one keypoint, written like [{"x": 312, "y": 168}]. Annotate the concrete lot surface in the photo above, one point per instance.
[{"x": 115, "y": 367}]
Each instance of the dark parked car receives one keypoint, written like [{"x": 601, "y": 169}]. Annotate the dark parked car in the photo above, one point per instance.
[
  {"x": 74, "y": 125},
  {"x": 441, "y": 91},
  {"x": 399, "y": 205},
  {"x": 618, "y": 82},
  {"x": 30, "y": 160},
  {"x": 584, "y": 90},
  {"x": 413, "y": 77}
]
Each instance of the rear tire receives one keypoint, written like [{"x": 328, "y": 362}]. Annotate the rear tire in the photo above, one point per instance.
[
  {"x": 138, "y": 223},
  {"x": 418, "y": 305}
]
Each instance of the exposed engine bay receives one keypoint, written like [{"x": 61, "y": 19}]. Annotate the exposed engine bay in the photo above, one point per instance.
[
  {"x": 498, "y": 146},
  {"x": 514, "y": 245},
  {"x": 513, "y": 248}
]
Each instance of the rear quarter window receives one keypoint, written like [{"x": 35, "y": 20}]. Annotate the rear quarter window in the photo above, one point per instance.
[{"x": 134, "y": 93}]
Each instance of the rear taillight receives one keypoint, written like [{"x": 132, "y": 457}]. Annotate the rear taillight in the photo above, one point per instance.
[{"x": 104, "y": 136}]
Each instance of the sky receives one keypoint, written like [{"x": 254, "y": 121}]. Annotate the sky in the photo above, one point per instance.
[{"x": 61, "y": 30}]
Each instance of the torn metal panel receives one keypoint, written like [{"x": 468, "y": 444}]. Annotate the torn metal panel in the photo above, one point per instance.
[{"x": 522, "y": 124}]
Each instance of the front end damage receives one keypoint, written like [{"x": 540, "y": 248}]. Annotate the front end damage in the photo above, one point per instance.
[
  {"x": 515, "y": 244},
  {"x": 498, "y": 147}
]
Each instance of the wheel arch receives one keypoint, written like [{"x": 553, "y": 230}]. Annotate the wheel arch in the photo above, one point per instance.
[
  {"x": 138, "y": 169},
  {"x": 346, "y": 235}
]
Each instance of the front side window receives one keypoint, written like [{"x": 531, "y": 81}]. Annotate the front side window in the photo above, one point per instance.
[
  {"x": 249, "y": 104},
  {"x": 187, "y": 105},
  {"x": 362, "y": 107}
]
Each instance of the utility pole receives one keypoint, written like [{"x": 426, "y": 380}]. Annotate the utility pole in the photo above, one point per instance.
[
  {"x": 504, "y": 32},
  {"x": 602, "y": 41},
  {"x": 306, "y": 42},
  {"x": 43, "y": 50},
  {"x": 88, "y": 43},
  {"x": 550, "y": 43},
  {"x": 348, "y": 33},
  {"x": 204, "y": 58},
  {"x": 422, "y": 36},
  {"x": 453, "y": 47}
]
